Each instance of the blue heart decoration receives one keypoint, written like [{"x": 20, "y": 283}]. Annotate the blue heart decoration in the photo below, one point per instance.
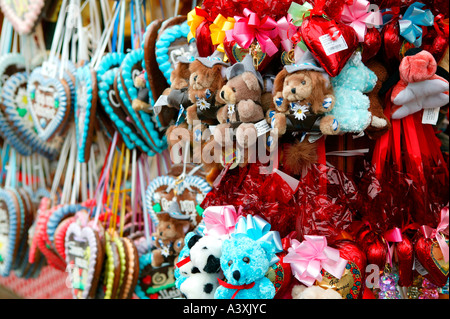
[{"x": 9, "y": 227}]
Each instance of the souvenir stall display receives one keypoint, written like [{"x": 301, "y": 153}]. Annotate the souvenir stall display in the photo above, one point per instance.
[{"x": 224, "y": 149}]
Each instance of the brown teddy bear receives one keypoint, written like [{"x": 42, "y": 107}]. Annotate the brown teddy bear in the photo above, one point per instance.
[
  {"x": 380, "y": 124},
  {"x": 301, "y": 96},
  {"x": 169, "y": 235},
  {"x": 242, "y": 95}
]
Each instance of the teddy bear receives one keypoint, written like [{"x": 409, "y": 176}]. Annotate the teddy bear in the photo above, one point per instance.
[
  {"x": 419, "y": 87},
  {"x": 198, "y": 266},
  {"x": 242, "y": 111},
  {"x": 302, "y": 95},
  {"x": 351, "y": 108},
  {"x": 142, "y": 101},
  {"x": 246, "y": 258},
  {"x": 379, "y": 124},
  {"x": 168, "y": 239},
  {"x": 314, "y": 292}
]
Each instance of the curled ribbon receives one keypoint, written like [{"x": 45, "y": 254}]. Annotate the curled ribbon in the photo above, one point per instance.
[
  {"x": 441, "y": 25},
  {"x": 439, "y": 232},
  {"x": 309, "y": 257},
  {"x": 220, "y": 220},
  {"x": 286, "y": 30},
  {"x": 412, "y": 22},
  {"x": 250, "y": 27},
  {"x": 258, "y": 229},
  {"x": 358, "y": 16},
  {"x": 194, "y": 18},
  {"x": 218, "y": 30},
  {"x": 393, "y": 235}
]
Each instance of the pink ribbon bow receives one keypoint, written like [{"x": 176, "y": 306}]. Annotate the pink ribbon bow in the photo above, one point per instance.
[
  {"x": 286, "y": 30},
  {"x": 220, "y": 220},
  {"x": 309, "y": 257},
  {"x": 442, "y": 229},
  {"x": 250, "y": 27},
  {"x": 393, "y": 235},
  {"x": 357, "y": 16}
]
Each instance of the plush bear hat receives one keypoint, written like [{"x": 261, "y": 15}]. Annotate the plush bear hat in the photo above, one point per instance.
[
  {"x": 306, "y": 62},
  {"x": 245, "y": 66},
  {"x": 212, "y": 60},
  {"x": 174, "y": 211}
]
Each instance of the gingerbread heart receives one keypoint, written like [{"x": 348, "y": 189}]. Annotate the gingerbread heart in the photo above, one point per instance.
[
  {"x": 189, "y": 193},
  {"x": 10, "y": 64},
  {"x": 429, "y": 254},
  {"x": 15, "y": 101},
  {"x": 85, "y": 110},
  {"x": 332, "y": 54},
  {"x": 49, "y": 103},
  {"x": 84, "y": 257},
  {"x": 23, "y": 15},
  {"x": 155, "y": 77},
  {"x": 156, "y": 283},
  {"x": 10, "y": 226},
  {"x": 131, "y": 275}
]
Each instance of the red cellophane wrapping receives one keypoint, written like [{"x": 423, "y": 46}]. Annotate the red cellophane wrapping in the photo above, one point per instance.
[
  {"x": 327, "y": 200},
  {"x": 266, "y": 195}
]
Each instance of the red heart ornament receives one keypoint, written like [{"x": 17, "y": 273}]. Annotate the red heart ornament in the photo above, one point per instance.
[
  {"x": 205, "y": 47},
  {"x": 236, "y": 54},
  {"x": 435, "y": 43},
  {"x": 391, "y": 44},
  {"x": 430, "y": 256},
  {"x": 371, "y": 44},
  {"x": 332, "y": 54},
  {"x": 405, "y": 255},
  {"x": 351, "y": 284}
]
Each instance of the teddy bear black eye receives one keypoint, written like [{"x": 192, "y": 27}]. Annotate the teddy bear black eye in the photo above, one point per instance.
[
  {"x": 234, "y": 90},
  {"x": 303, "y": 82},
  {"x": 195, "y": 78},
  {"x": 229, "y": 263},
  {"x": 246, "y": 260}
]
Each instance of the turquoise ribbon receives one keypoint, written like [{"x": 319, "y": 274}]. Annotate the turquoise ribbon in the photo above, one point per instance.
[
  {"x": 258, "y": 229},
  {"x": 412, "y": 22}
]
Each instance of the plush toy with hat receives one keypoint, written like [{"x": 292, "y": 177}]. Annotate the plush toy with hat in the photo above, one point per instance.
[
  {"x": 242, "y": 97},
  {"x": 168, "y": 238},
  {"x": 350, "y": 87},
  {"x": 246, "y": 258},
  {"x": 302, "y": 95}
]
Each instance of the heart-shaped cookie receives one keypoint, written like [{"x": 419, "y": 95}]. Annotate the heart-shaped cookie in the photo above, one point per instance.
[
  {"x": 84, "y": 257},
  {"x": 155, "y": 77},
  {"x": 130, "y": 68},
  {"x": 156, "y": 283},
  {"x": 430, "y": 256},
  {"x": 15, "y": 101},
  {"x": 85, "y": 110},
  {"x": 189, "y": 193},
  {"x": 9, "y": 230},
  {"x": 10, "y": 64},
  {"x": 24, "y": 14},
  {"x": 49, "y": 103},
  {"x": 331, "y": 54},
  {"x": 131, "y": 274}
]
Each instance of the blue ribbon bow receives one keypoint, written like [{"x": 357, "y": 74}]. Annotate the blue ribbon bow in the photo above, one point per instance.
[
  {"x": 412, "y": 22},
  {"x": 258, "y": 229}
]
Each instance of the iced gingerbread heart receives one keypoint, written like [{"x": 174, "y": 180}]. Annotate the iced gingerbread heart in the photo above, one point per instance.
[
  {"x": 24, "y": 14},
  {"x": 84, "y": 256}
]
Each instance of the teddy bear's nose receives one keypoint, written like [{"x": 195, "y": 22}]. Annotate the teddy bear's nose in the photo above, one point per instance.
[
  {"x": 236, "y": 274},
  {"x": 293, "y": 90}
]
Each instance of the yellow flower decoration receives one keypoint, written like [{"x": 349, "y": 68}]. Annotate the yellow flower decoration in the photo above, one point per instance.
[
  {"x": 193, "y": 21},
  {"x": 218, "y": 30}
]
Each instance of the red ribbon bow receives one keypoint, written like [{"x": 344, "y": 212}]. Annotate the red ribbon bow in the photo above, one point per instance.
[{"x": 237, "y": 287}]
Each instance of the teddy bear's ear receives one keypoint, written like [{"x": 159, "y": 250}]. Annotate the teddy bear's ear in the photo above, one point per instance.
[
  {"x": 251, "y": 81},
  {"x": 278, "y": 83},
  {"x": 194, "y": 239},
  {"x": 163, "y": 217}
]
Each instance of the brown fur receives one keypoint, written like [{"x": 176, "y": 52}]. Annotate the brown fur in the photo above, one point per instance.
[
  {"x": 202, "y": 78},
  {"x": 179, "y": 77},
  {"x": 376, "y": 102},
  {"x": 298, "y": 155},
  {"x": 170, "y": 231}
]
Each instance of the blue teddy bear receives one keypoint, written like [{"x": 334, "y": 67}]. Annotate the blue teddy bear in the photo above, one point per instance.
[
  {"x": 244, "y": 262},
  {"x": 351, "y": 108}
]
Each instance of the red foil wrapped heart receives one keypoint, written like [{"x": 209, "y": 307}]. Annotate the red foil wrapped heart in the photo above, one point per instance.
[
  {"x": 318, "y": 34},
  {"x": 436, "y": 40},
  {"x": 429, "y": 255},
  {"x": 371, "y": 44},
  {"x": 405, "y": 255},
  {"x": 391, "y": 44},
  {"x": 373, "y": 245},
  {"x": 205, "y": 47}
]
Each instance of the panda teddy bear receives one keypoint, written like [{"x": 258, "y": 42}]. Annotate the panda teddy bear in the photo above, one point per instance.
[{"x": 198, "y": 268}]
